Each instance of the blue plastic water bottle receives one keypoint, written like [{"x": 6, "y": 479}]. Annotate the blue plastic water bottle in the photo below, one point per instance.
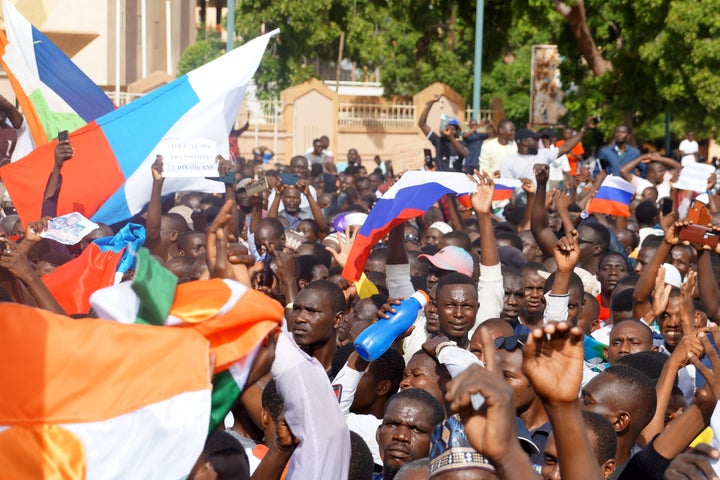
[{"x": 377, "y": 338}]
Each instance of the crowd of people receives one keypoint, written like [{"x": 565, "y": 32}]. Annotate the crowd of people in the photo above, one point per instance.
[{"x": 556, "y": 343}]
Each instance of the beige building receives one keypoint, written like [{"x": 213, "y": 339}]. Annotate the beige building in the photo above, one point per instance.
[{"x": 87, "y": 31}]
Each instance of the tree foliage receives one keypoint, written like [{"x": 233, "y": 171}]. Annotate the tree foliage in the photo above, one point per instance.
[{"x": 650, "y": 56}]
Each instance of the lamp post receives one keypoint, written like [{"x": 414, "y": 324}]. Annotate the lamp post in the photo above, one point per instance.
[{"x": 479, "y": 18}]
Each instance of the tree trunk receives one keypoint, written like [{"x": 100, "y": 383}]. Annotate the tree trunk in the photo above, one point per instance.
[{"x": 575, "y": 15}]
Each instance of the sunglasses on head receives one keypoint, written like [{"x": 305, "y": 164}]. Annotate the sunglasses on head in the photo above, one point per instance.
[{"x": 508, "y": 343}]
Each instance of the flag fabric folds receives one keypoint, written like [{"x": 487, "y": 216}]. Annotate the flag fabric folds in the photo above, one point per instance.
[
  {"x": 412, "y": 195},
  {"x": 101, "y": 264},
  {"x": 53, "y": 92},
  {"x": 232, "y": 317},
  {"x": 504, "y": 188},
  {"x": 117, "y": 150},
  {"x": 613, "y": 197},
  {"x": 92, "y": 399}
]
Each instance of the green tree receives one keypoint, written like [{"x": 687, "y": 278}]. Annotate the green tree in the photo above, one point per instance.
[{"x": 204, "y": 50}]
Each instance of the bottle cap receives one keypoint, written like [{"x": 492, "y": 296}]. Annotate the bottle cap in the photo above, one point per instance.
[{"x": 421, "y": 297}]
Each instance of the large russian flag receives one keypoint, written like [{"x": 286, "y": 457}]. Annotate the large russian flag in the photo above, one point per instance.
[
  {"x": 109, "y": 177},
  {"x": 613, "y": 197},
  {"x": 53, "y": 92},
  {"x": 412, "y": 195},
  {"x": 91, "y": 399}
]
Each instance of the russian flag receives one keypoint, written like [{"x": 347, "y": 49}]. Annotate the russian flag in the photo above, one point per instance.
[
  {"x": 412, "y": 195},
  {"x": 53, "y": 92},
  {"x": 613, "y": 197},
  {"x": 504, "y": 188},
  {"x": 109, "y": 178}
]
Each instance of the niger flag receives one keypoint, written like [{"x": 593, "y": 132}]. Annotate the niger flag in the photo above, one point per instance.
[
  {"x": 95, "y": 399},
  {"x": 234, "y": 318}
]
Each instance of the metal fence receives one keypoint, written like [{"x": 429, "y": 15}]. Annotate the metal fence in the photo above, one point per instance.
[{"x": 377, "y": 115}]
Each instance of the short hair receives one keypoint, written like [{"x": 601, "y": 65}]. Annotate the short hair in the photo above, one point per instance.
[
  {"x": 226, "y": 455},
  {"x": 389, "y": 366},
  {"x": 463, "y": 239},
  {"x": 622, "y": 301},
  {"x": 318, "y": 250},
  {"x": 272, "y": 401},
  {"x": 510, "y": 271},
  {"x": 601, "y": 233},
  {"x": 513, "y": 238},
  {"x": 176, "y": 221},
  {"x": 533, "y": 267},
  {"x": 604, "y": 433},
  {"x": 330, "y": 291},
  {"x": 652, "y": 241},
  {"x": 650, "y": 363},
  {"x": 454, "y": 278},
  {"x": 503, "y": 122},
  {"x": 361, "y": 459},
  {"x": 637, "y": 389},
  {"x": 273, "y": 224},
  {"x": 307, "y": 265},
  {"x": 645, "y": 212},
  {"x": 575, "y": 282},
  {"x": 437, "y": 413},
  {"x": 419, "y": 464}
]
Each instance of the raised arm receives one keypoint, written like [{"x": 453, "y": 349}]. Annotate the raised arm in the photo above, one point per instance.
[
  {"x": 646, "y": 283},
  {"x": 461, "y": 149},
  {"x": 317, "y": 213},
  {"x": 422, "y": 121},
  {"x": 482, "y": 204},
  {"x": 567, "y": 147},
  {"x": 539, "y": 224},
  {"x": 709, "y": 291},
  {"x": 63, "y": 152},
  {"x": 154, "y": 213}
]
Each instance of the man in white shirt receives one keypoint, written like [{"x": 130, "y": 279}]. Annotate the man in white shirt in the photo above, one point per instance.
[
  {"x": 689, "y": 149},
  {"x": 496, "y": 150},
  {"x": 521, "y": 164}
]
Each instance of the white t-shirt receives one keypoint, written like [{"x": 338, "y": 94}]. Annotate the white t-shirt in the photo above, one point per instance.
[
  {"x": 558, "y": 167},
  {"x": 304, "y": 204},
  {"x": 523, "y": 166},
  {"x": 493, "y": 154},
  {"x": 690, "y": 147},
  {"x": 641, "y": 184}
]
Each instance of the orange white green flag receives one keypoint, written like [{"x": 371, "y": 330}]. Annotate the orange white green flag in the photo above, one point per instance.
[
  {"x": 235, "y": 319},
  {"x": 91, "y": 399}
]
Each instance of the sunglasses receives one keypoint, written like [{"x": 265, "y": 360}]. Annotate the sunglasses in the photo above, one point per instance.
[
  {"x": 412, "y": 239},
  {"x": 508, "y": 343}
]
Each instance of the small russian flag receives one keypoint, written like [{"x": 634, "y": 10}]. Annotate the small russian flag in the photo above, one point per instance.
[
  {"x": 504, "y": 188},
  {"x": 613, "y": 197}
]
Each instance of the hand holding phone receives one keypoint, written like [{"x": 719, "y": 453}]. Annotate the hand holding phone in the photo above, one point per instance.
[
  {"x": 699, "y": 235},
  {"x": 63, "y": 137}
]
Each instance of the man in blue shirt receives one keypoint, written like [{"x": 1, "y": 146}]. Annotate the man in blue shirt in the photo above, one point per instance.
[
  {"x": 474, "y": 140},
  {"x": 612, "y": 157}
]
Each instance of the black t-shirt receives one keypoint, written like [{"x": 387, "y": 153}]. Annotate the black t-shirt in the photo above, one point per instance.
[{"x": 447, "y": 157}]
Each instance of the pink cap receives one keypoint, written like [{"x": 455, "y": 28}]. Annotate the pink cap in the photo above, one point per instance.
[{"x": 452, "y": 258}]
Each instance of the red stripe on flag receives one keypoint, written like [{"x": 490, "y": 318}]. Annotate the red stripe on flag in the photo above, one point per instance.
[
  {"x": 89, "y": 178},
  {"x": 72, "y": 283},
  {"x": 609, "y": 207}
]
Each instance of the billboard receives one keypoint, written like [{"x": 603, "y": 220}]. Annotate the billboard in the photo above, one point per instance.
[{"x": 545, "y": 87}]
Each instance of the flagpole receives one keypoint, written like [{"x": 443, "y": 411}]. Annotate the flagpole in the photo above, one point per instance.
[
  {"x": 168, "y": 38},
  {"x": 143, "y": 36},
  {"x": 117, "y": 51}
]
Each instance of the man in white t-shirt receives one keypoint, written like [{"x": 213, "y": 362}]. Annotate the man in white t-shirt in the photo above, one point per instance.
[
  {"x": 495, "y": 150},
  {"x": 689, "y": 150},
  {"x": 659, "y": 171},
  {"x": 521, "y": 164}
]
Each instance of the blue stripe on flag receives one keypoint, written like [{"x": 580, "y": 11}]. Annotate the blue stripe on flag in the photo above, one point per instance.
[
  {"x": 420, "y": 197},
  {"x": 614, "y": 194},
  {"x": 61, "y": 75},
  {"x": 116, "y": 207},
  {"x": 135, "y": 130}
]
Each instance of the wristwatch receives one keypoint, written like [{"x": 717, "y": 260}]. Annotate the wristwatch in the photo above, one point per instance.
[{"x": 442, "y": 345}]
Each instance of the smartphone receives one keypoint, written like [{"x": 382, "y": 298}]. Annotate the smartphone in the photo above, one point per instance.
[
  {"x": 329, "y": 183},
  {"x": 698, "y": 235},
  {"x": 267, "y": 279},
  {"x": 666, "y": 206},
  {"x": 428, "y": 158},
  {"x": 257, "y": 186},
  {"x": 699, "y": 214},
  {"x": 596, "y": 120},
  {"x": 63, "y": 136},
  {"x": 289, "y": 178}
]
